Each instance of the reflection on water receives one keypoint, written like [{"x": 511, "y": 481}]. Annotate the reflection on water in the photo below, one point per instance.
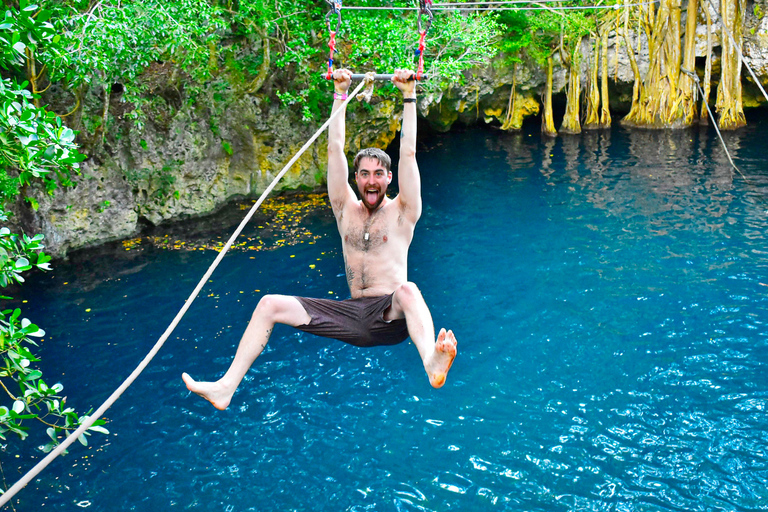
[{"x": 608, "y": 292}]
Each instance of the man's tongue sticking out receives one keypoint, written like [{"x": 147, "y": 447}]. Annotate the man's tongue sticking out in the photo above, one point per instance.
[{"x": 372, "y": 196}]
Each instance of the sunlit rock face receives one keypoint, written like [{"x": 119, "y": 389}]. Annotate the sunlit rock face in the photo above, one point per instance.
[
  {"x": 189, "y": 166},
  {"x": 192, "y": 157}
]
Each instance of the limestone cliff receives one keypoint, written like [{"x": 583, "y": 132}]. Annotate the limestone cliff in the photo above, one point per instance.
[{"x": 191, "y": 157}]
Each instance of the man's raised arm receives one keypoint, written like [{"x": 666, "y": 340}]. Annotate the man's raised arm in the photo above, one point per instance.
[
  {"x": 339, "y": 191},
  {"x": 408, "y": 170}
]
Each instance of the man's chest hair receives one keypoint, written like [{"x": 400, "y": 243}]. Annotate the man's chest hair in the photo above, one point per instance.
[{"x": 366, "y": 238}]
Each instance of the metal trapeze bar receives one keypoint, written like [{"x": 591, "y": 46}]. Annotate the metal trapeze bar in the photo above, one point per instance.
[{"x": 384, "y": 76}]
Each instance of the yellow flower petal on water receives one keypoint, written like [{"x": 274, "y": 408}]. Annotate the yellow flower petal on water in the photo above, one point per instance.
[{"x": 88, "y": 310}]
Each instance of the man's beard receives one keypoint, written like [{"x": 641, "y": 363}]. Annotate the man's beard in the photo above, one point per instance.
[{"x": 373, "y": 206}]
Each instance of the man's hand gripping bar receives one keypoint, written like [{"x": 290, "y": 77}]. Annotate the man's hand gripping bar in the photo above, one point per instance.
[{"x": 384, "y": 76}]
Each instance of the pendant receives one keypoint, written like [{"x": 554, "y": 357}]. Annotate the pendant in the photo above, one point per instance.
[{"x": 366, "y": 236}]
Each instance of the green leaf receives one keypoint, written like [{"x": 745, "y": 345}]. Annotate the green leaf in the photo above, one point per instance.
[
  {"x": 22, "y": 264},
  {"x": 33, "y": 375}
]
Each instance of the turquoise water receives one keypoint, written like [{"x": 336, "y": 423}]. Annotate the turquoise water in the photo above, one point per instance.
[{"x": 608, "y": 292}]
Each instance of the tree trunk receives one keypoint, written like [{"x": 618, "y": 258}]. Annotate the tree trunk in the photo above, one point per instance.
[
  {"x": 257, "y": 82},
  {"x": 704, "y": 117},
  {"x": 605, "y": 113},
  {"x": 729, "y": 101},
  {"x": 665, "y": 68},
  {"x": 685, "y": 114},
  {"x": 592, "y": 97},
  {"x": 32, "y": 76},
  {"x": 633, "y": 116},
  {"x": 547, "y": 119},
  {"x": 659, "y": 98},
  {"x": 513, "y": 121},
  {"x": 571, "y": 123}
]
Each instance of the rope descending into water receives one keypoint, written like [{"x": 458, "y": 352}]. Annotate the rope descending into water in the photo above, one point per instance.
[
  {"x": 90, "y": 420},
  {"x": 695, "y": 79}
]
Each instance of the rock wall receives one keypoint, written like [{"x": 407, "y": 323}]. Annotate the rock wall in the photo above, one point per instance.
[
  {"x": 190, "y": 158},
  {"x": 190, "y": 167}
]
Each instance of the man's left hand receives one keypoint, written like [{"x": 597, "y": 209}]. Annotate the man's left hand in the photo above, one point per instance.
[{"x": 405, "y": 81}]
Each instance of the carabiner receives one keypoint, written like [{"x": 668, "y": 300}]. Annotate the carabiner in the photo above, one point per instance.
[
  {"x": 425, "y": 7},
  {"x": 335, "y": 9}
]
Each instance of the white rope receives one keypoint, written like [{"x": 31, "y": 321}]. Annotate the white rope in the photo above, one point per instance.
[
  {"x": 89, "y": 420},
  {"x": 695, "y": 79}
]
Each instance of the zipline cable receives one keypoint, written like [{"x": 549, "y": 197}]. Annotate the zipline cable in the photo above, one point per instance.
[
  {"x": 15, "y": 488},
  {"x": 502, "y": 2},
  {"x": 741, "y": 55},
  {"x": 455, "y": 7}
]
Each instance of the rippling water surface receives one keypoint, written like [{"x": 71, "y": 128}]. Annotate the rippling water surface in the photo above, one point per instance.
[{"x": 608, "y": 292}]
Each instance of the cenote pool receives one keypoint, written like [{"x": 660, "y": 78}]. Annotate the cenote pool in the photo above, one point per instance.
[{"x": 608, "y": 292}]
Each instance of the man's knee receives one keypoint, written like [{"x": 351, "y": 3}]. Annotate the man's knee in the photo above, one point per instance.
[
  {"x": 408, "y": 293},
  {"x": 283, "y": 309},
  {"x": 269, "y": 306}
]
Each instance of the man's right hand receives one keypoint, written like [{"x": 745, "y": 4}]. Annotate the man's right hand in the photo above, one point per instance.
[{"x": 342, "y": 78}]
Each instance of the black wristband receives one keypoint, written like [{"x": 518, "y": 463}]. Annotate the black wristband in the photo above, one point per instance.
[{"x": 409, "y": 100}]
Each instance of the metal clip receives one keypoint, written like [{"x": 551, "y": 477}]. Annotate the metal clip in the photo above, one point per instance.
[{"x": 335, "y": 9}]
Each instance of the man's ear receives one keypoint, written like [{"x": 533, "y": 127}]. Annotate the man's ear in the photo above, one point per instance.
[{"x": 389, "y": 177}]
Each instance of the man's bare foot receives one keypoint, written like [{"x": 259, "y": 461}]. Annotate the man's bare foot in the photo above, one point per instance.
[
  {"x": 442, "y": 358},
  {"x": 214, "y": 392}
]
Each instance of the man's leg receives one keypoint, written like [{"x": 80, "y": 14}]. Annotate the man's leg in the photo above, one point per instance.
[
  {"x": 437, "y": 356},
  {"x": 271, "y": 310}
]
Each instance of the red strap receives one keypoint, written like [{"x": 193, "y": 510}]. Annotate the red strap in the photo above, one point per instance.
[
  {"x": 420, "y": 69},
  {"x": 332, "y": 46}
]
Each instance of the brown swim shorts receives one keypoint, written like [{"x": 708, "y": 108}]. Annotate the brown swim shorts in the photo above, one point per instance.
[{"x": 359, "y": 322}]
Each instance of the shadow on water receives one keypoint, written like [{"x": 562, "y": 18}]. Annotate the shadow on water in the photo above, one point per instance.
[{"x": 608, "y": 291}]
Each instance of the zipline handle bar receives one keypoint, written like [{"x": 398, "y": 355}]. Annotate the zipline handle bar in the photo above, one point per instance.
[{"x": 384, "y": 76}]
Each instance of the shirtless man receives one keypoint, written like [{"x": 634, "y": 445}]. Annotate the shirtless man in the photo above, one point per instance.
[{"x": 376, "y": 232}]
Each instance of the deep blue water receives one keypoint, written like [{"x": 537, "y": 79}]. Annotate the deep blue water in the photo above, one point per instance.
[{"x": 608, "y": 292}]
